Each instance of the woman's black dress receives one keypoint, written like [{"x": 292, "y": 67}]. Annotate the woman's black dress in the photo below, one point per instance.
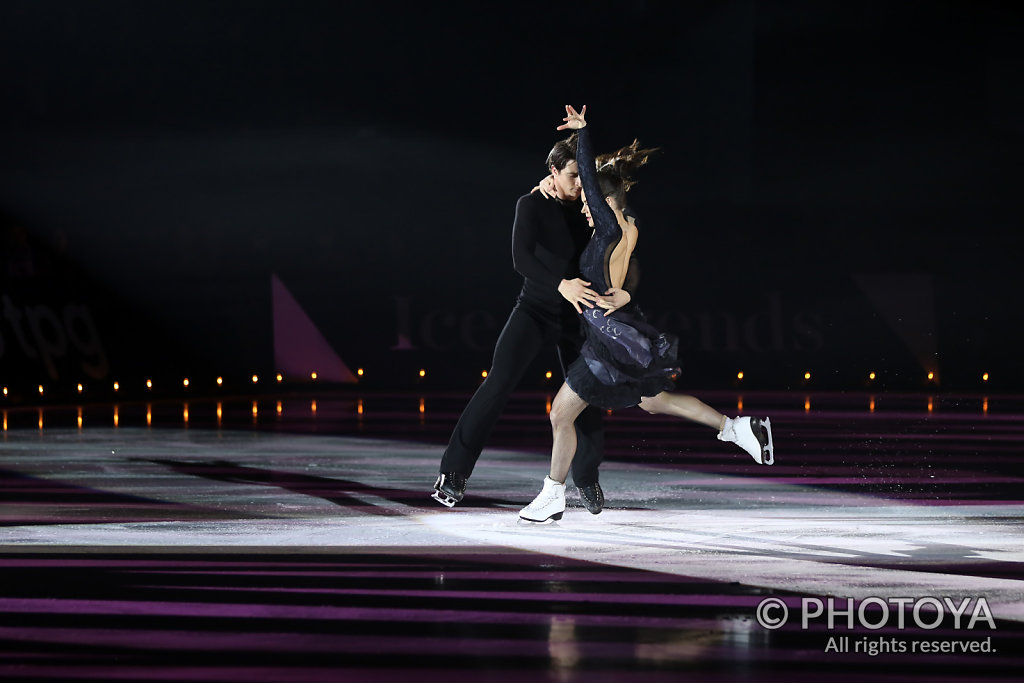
[{"x": 623, "y": 357}]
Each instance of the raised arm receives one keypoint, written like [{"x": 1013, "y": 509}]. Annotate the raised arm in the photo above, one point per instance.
[{"x": 605, "y": 222}]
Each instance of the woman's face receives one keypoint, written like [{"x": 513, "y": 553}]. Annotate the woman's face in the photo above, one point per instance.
[{"x": 586, "y": 209}]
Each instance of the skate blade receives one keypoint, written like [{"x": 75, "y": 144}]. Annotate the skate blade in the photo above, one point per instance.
[
  {"x": 443, "y": 499},
  {"x": 540, "y": 522},
  {"x": 757, "y": 454},
  {"x": 769, "y": 449}
]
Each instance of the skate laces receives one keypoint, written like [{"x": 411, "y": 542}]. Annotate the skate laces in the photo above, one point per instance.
[
  {"x": 544, "y": 499},
  {"x": 728, "y": 432},
  {"x": 453, "y": 480},
  {"x": 549, "y": 494}
]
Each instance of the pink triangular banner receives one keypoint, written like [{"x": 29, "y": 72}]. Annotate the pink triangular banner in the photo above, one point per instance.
[{"x": 299, "y": 347}]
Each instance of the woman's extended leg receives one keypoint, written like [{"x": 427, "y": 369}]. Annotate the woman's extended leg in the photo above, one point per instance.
[
  {"x": 684, "y": 406},
  {"x": 749, "y": 433}
]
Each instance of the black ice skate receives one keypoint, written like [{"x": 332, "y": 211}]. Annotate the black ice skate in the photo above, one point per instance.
[
  {"x": 449, "y": 488},
  {"x": 592, "y": 497}
]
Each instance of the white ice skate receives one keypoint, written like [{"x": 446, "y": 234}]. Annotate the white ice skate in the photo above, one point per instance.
[
  {"x": 752, "y": 435},
  {"x": 548, "y": 506}
]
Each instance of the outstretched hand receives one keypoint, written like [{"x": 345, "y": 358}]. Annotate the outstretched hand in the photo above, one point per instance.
[{"x": 574, "y": 120}]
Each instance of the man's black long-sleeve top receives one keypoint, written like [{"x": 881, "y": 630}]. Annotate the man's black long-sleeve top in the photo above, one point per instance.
[{"x": 548, "y": 237}]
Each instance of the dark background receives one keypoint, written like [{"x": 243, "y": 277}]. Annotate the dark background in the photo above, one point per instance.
[{"x": 838, "y": 190}]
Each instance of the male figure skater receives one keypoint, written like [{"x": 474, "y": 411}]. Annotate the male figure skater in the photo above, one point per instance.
[{"x": 547, "y": 238}]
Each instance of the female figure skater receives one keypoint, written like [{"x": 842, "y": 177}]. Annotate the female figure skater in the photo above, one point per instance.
[{"x": 624, "y": 360}]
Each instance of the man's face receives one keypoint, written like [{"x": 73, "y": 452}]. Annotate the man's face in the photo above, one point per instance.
[{"x": 567, "y": 181}]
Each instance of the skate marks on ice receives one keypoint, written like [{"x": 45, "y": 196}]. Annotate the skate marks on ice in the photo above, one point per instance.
[
  {"x": 834, "y": 548},
  {"x": 245, "y": 490}
]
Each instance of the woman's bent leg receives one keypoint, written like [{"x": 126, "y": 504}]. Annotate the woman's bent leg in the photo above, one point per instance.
[
  {"x": 550, "y": 502},
  {"x": 566, "y": 407}
]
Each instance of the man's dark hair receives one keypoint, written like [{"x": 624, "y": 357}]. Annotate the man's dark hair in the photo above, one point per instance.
[{"x": 562, "y": 153}]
